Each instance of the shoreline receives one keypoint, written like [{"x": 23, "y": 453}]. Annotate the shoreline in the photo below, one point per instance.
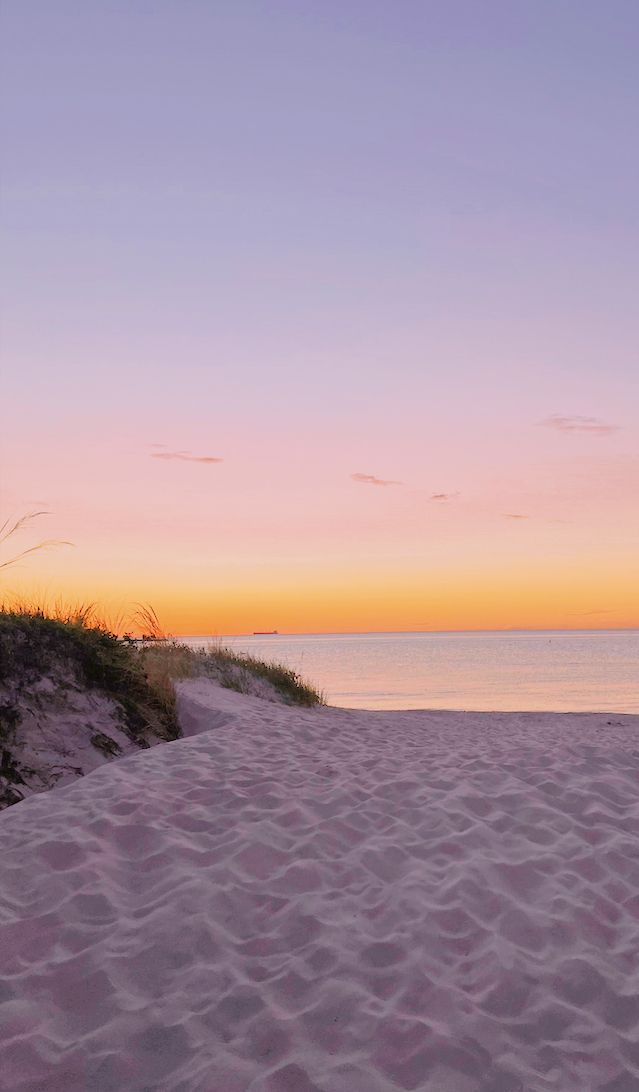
[
  {"x": 588, "y": 671},
  {"x": 398, "y": 633}
]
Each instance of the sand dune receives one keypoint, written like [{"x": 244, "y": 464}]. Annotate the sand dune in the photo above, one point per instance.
[{"x": 296, "y": 901}]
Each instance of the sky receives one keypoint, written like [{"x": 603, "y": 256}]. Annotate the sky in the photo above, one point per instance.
[{"x": 322, "y": 316}]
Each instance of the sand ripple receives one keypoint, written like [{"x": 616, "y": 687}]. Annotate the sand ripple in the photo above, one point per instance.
[{"x": 330, "y": 901}]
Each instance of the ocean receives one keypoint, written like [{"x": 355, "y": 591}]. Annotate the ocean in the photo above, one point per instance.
[{"x": 524, "y": 670}]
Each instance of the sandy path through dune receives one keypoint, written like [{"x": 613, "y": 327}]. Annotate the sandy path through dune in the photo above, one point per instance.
[{"x": 330, "y": 901}]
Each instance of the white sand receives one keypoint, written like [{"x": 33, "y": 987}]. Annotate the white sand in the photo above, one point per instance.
[{"x": 330, "y": 900}]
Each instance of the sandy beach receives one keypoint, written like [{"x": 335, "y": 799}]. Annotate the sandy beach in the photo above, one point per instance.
[{"x": 327, "y": 900}]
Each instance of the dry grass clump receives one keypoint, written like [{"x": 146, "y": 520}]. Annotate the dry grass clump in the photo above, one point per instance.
[
  {"x": 164, "y": 661},
  {"x": 167, "y": 660},
  {"x": 12, "y": 527}
]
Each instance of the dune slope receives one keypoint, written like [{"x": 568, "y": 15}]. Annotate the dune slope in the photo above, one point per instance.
[{"x": 299, "y": 900}]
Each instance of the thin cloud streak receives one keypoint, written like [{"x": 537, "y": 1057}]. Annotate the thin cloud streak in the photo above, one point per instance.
[
  {"x": 515, "y": 515},
  {"x": 370, "y": 479},
  {"x": 577, "y": 423},
  {"x": 590, "y": 613},
  {"x": 443, "y": 496},
  {"x": 186, "y": 457}
]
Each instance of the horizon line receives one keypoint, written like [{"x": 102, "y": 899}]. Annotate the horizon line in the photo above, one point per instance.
[{"x": 431, "y": 632}]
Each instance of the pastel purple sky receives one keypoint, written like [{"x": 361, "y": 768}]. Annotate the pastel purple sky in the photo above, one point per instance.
[{"x": 332, "y": 245}]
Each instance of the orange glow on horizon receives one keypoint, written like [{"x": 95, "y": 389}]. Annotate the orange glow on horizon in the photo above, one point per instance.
[{"x": 373, "y": 598}]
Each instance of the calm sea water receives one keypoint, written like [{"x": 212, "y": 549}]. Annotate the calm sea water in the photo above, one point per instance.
[{"x": 552, "y": 670}]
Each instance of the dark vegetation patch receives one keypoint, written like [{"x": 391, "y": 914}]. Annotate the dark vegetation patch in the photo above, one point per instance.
[
  {"x": 104, "y": 743},
  {"x": 33, "y": 646}
]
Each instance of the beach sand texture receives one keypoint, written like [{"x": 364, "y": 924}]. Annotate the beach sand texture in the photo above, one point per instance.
[{"x": 301, "y": 900}]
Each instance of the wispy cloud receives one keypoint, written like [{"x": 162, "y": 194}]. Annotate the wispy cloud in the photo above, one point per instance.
[
  {"x": 515, "y": 515},
  {"x": 593, "y": 425},
  {"x": 591, "y": 613},
  {"x": 370, "y": 479},
  {"x": 185, "y": 456},
  {"x": 443, "y": 496}
]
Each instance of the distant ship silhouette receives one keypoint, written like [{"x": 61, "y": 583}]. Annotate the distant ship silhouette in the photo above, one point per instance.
[{"x": 265, "y": 633}]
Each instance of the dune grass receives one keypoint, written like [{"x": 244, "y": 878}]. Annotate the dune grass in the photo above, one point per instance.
[
  {"x": 12, "y": 527},
  {"x": 34, "y": 643},
  {"x": 165, "y": 660},
  {"x": 138, "y": 673}
]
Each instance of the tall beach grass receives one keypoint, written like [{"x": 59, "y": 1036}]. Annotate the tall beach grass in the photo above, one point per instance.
[{"x": 130, "y": 657}]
